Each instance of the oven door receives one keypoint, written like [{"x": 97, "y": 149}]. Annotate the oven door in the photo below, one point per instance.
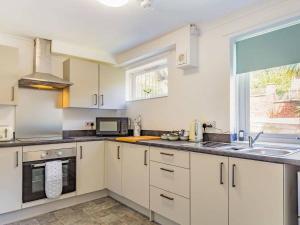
[{"x": 34, "y": 178}]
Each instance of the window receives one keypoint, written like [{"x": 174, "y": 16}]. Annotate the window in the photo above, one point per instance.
[
  {"x": 270, "y": 100},
  {"x": 268, "y": 84},
  {"x": 147, "y": 81}
]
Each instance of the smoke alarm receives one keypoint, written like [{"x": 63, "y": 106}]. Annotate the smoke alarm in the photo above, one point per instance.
[{"x": 146, "y": 3}]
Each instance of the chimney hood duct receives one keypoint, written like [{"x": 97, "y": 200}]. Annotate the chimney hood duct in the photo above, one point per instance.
[{"x": 41, "y": 78}]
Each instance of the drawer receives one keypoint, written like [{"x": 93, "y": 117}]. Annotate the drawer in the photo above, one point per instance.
[
  {"x": 170, "y": 156},
  {"x": 170, "y": 178},
  {"x": 171, "y": 206}
]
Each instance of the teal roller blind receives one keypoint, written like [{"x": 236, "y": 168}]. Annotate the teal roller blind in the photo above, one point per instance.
[{"x": 273, "y": 49}]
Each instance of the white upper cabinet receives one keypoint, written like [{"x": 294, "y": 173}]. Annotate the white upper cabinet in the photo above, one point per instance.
[
  {"x": 85, "y": 78},
  {"x": 112, "y": 87},
  {"x": 255, "y": 193},
  {"x": 135, "y": 178},
  {"x": 11, "y": 179},
  {"x": 8, "y": 75},
  {"x": 94, "y": 85},
  {"x": 90, "y": 166}
]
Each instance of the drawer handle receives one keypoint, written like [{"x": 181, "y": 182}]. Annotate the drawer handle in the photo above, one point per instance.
[
  {"x": 168, "y": 154},
  {"x": 166, "y": 197},
  {"x": 118, "y": 153},
  {"x": 81, "y": 154},
  {"x": 167, "y": 170},
  {"x": 145, "y": 158}
]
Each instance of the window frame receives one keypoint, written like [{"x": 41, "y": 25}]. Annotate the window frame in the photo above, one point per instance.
[
  {"x": 243, "y": 114},
  {"x": 144, "y": 66}
]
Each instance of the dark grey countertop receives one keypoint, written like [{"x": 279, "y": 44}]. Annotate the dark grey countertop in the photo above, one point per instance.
[{"x": 292, "y": 159}]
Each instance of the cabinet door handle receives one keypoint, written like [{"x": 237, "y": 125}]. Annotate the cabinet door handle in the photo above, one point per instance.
[
  {"x": 102, "y": 100},
  {"x": 118, "y": 153},
  {"x": 13, "y": 93},
  {"x": 145, "y": 157},
  {"x": 96, "y": 99},
  {"x": 17, "y": 159},
  {"x": 166, "y": 197},
  {"x": 168, "y": 154},
  {"x": 167, "y": 170},
  {"x": 233, "y": 175},
  {"x": 81, "y": 154},
  {"x": 221, "y": 173}
]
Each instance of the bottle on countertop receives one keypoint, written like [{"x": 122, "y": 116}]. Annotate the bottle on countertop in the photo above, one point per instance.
[{"x": 137, "y": 126}]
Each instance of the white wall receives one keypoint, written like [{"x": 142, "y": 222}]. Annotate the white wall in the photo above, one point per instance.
[
  {"x": 73, "y": 118},
  {"x": 206, "y": 94}
]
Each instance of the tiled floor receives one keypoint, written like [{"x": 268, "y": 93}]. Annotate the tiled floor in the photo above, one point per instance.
[{"x": 104, "y": 211}]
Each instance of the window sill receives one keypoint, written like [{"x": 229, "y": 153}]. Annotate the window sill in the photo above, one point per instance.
[{"x": 145, "y": 99}]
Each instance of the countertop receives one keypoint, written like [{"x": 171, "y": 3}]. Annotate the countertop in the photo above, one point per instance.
[{"x": 292, "y": 159}]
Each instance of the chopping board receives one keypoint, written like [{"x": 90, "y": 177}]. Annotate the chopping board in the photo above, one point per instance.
[{"x": 136, "y": 139}]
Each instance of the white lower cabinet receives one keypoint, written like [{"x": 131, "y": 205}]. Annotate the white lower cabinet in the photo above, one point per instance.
[
  {"x": 256, "y": 193},
  {"x": 209, "y": 189},
  {"x": 11, "y": 179},
  {"x": 90, "y": 166},
  {"x": 113, "y": 172},
  {"x": 135, "y": 177},
  {"x": 170, "y": 205}
]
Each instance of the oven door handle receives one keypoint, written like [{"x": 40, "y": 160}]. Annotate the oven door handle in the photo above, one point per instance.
[{"x": 44, "y": 164}]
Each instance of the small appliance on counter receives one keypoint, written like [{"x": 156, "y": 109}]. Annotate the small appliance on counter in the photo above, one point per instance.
[
  {"x": 196, "y": 132},
  {"x": 6, "y": 133},
  {"x": 112, "y": 126}
]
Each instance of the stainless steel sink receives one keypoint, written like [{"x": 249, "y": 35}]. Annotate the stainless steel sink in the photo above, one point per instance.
[{"x": 268, "y": 151}]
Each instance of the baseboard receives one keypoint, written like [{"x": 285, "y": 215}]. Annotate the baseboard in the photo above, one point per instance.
[
  {"x": 33, "y": 211},
  {"x": 156, "y": 217}
]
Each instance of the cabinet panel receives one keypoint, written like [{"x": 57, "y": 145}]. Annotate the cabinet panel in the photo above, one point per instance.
[
  {"x": 8, "y": 75},
  {"x": 135, "y": 177},
  {"x": 90, "y": 167},
  {"x": 85, "y": 78},
  {"x": 112, "y": 87},
  {"x": 209, "y": 189},
  {"x": 11, "y": 179},
  {"x": 255, "y": 193},
  {"x": 113, "y": 154},
  {"x": 171, "y": 206},
  {"x": 170, "y": 178}
]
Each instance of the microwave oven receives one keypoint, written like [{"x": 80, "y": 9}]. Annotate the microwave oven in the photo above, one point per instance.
[{"x": 112, "y": 126}]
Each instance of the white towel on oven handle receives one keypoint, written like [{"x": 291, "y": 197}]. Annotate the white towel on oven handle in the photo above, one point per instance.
[{"x": 53, "y": 179}]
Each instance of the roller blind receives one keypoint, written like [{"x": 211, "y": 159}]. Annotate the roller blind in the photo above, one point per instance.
[{"x": 273, "y": 49}]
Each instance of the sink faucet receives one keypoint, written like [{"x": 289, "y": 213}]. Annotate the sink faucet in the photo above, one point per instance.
[{"x": 253, "y": 140}]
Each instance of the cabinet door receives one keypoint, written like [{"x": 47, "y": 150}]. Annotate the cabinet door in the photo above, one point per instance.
[
  {"x": 112, "y": 87},
  {"x": 255, "y": 193},
  {"x": 8, "y": 75},
  {"x": 135, "y": 178},
  {"x": 113, "y": 154},
  {"x": 11, "y": 179},
  {"x": 209, "y": 189},
  {"x": 85, "y": 78},
  {"x": 90, "y": 167}
]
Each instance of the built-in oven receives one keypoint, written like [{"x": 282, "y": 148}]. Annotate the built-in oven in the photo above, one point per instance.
[
  {"x": 34, "y": 163},
  {"x": 112, "y": 126}
]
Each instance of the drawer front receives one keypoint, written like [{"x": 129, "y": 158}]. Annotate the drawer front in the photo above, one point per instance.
[
  {"x": 171, "y": 206},
  {"x": 170, "y": 156},
  {"x": 170, "y": 178}
]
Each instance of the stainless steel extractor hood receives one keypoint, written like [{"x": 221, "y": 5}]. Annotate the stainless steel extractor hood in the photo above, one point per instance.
[{"x": 41, "y": 78}]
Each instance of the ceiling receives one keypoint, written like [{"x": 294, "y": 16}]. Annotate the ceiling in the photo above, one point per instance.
[{"x": 91, "y": 24}]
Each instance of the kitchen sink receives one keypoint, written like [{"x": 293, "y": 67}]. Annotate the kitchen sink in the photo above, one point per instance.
[{"x": 268, "y": 151}]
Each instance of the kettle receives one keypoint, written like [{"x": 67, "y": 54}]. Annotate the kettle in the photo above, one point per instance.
[{"x": 196, "y": 131}]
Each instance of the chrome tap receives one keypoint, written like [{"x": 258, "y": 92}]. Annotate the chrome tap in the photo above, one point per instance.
[{"x": 253, "y": 140}]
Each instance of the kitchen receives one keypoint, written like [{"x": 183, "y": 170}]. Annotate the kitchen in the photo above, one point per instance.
[{"x": 115, "y": 94}]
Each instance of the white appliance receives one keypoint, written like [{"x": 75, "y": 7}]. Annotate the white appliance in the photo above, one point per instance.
[
  {"x": 196, "y": 131},
  {"x": 6, "y": 133}
]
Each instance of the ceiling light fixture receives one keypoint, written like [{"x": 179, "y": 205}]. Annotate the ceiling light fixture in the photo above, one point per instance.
[{"x": 114, "y": 3}]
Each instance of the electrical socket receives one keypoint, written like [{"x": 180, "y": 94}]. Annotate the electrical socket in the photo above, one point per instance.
[
  {"x": 212, "y": 124},
  {"x": 89, "y": 124}
]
